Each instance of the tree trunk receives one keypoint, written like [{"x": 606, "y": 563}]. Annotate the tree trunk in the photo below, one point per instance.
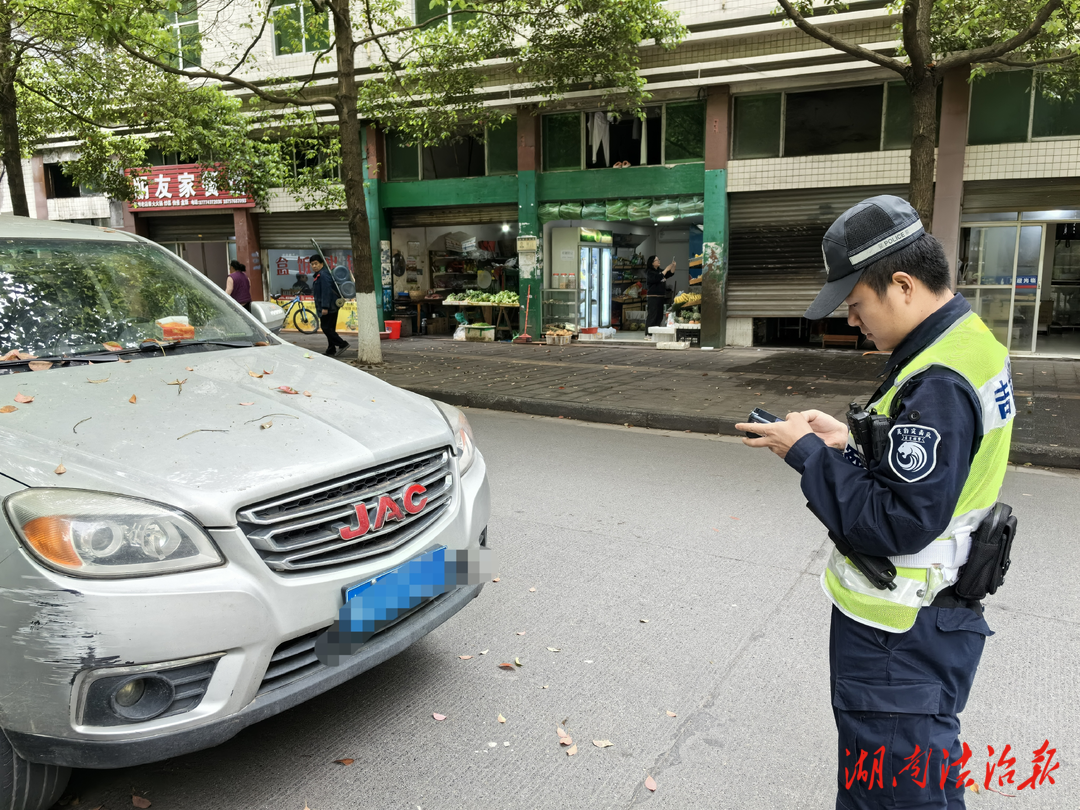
[
  {"x": 923, "y": 143},
  {"x": 9, "y": 119},
  {"x": 369, "y": 350}
]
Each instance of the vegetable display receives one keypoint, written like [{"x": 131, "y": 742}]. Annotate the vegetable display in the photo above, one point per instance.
[{"x": 504, "y": 298}]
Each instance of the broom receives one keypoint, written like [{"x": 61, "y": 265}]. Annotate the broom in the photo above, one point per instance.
[{"x": 524, "y": 337}]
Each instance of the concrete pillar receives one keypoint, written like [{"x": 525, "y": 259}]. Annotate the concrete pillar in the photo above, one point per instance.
[
  {"x": 530, "y": 280},
  {"x": 378, "y": 226},
  {"x": 246, "y": 228},
  {"x": 39, "y": 202},
  {"x": 949, "y": 179},
  {"x": 715, "y": 241}
]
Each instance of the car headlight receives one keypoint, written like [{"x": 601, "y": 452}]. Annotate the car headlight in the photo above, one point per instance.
[
  {"x": 93, "y": 534},
  {"x": 464, "y": 444}
]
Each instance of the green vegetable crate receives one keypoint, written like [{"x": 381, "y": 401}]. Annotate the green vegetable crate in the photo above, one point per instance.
[{"x": 480, "y": 333}]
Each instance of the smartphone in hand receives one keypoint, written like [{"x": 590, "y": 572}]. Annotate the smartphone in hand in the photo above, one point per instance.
[{"x": 761, "y": 417}]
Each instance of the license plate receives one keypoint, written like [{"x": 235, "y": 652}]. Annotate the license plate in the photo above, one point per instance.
[{"x": 421, "y": 577}]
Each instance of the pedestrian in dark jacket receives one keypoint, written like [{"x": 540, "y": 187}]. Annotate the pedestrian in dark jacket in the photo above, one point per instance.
[
  {"x": 326, "y": 298},
  {"x": 656, "y": 289}
]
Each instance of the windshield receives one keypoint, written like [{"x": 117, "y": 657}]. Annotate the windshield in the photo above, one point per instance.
[{"x": 65, "y": 297}]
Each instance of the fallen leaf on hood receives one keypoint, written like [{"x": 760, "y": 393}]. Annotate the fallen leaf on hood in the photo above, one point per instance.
[
  {"x": 464, "y": 657},
  {"x": 495, "y": 579},
  {"x": 255, "y": 374},
  {"x": 8, "y": 409},
  {"x": 247, "y": 403},
  {"x": 266, "y": 425},
  {"x": 139, "y": 801},
  {"x": 532, "y": 590},
  {"x": 40, "y": 365},
  {"x": 672, "y": 714},
  {"x": 603, "y": 743},
  {"x": 261, "y": 343},
  {"x": 132, "y": 400},
  {"x": 554, "y": 649},
  {"x": 23, "y": 398},
  {"x": 484, "y": 652},
  {"x": 545, "y": 686},
  {"x": 506, "y": 665},
  {"x": 268, "y": 372},
  {"x": 17, "y": 356},
  {"x": 562, "y": 734},
  {"x": 61, "y": 469},
  {"x": 189, "y": 368},
  {"x": 285, "y": 389},
  {"x": 518, "y": 661},
  {"x": 439, "y": 717},
  {"x": 113, "y": 346},
  {"x": 571, "y": 750},
  {"x": 97, "y": 382},
  {"x": 122, "y": 360},
  {"x": 643, "y": 621},
  {"x": 650, "y": 783},
  {"x": 344, "y": 761},
  {"x": 502, "y": 719},
  {"x": 307, "y": 356},
  {"x": 307, "y": 393}
]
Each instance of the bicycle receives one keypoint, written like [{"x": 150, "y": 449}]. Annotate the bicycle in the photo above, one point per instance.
[{"x": 303, "y": 319}]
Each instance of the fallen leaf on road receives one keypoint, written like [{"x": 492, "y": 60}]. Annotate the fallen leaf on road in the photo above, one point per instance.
[
  {"x": 571, "y": 750},
  {"x": 562, "y": 734},
  {"x": 247, "y": 403},
  {"x": 266, "y": 425},
  {"x": 439, "y": 717},
  {"x": 344, "y": 761},
  {"x": 61, "y": 469},
  {"x": 484, "y": 652},
  {"x": 650, "y": 783},
  {"x": 603, "y": 743},
  {"x": 502, "y": 719},
  {"x": 520, "y": 634},
  {"x": 789, "y": 388},
  {"x": 672, "y": 714},
  {"x": 23, "y": 398},
  {"x": 8, "y": 409},
  {"x": 285, "y": 389},
  {"x": 464, "y": 657},
  {"x": 532, "y": 590},
  {"x": 554, "y": 649},
  {"x": 566, "y": 741},
  {"x": 132, "y": 400},
  {"x": 255, "y": 374},
  {"x": 506, "y": 665},
  {"x": 40, "y": 365},
  {"x": 307, "y": 393},
  {"x": 518, "y": 661},
  {"x": 97, "y": 382},
  {"x": 974, "y": 788},
  {"x": 643, "y": 621},
  {"x": 139, "y": 801},
  {"x": 545, "y": 686},
  {"x": 735, "y": 518}
]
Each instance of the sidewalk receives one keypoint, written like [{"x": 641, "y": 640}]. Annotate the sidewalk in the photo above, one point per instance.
[{"x": 700, "y": 391}]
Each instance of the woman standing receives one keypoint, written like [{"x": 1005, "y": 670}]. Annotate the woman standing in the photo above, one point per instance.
[
  {"x": 237, "y": 285},
  {"x": 656, "y": 290}
]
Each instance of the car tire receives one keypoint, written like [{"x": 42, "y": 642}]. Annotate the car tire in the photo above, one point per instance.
[{"x": 28, "y": 785}]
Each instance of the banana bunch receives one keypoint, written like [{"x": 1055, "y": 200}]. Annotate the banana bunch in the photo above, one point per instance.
[{"x": 688, "y": 300}]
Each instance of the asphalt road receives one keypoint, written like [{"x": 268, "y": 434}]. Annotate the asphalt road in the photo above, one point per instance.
[{"x": 673, "y": 573}]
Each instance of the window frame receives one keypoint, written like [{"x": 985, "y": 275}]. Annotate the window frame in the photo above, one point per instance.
[
  {"x": 277, "y": 5},
  {"x": 174, "y": 25}
]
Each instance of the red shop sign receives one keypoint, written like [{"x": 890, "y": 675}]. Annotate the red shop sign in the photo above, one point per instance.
[{"x": 184, "y": 185}]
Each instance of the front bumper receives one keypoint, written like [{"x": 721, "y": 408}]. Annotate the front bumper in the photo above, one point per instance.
[{"x": 125, "y": 753}]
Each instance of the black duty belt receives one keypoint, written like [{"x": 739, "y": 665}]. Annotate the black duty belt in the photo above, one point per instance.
[{"x": 947, "y": 598}]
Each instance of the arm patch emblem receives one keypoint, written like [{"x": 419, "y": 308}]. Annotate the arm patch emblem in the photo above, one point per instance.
[{"x": 913, "y": 451}]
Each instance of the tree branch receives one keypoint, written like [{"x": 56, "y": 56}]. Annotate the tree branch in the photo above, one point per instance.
[
  {"x": 1050, "y": 60},
  {"x": 992, "y": 52},
  {"x": 64, "y": 108},
  {"x": 265, "y": 95},
  {"x": 858, "y": 51}
]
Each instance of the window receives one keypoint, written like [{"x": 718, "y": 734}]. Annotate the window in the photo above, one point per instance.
[
  {"x": 833, "y": 122},
  {"x": 1054, "y": 118},
  {"x": 315, "y": 159},
  {"x": 757, "y": 126},
  {"x": 299, "y": 28},
  {"x": 403, "y": 159},
  {"x": 425, "y": 12},
  {"x": 684, "y": 132},
  {"x": 502, "y": 148},
  {"x": 183, "y": 27},
  {"x": 460, "y": 158},
  {"x": 1000, "y": 108},
  {"x": 58, "y": 184},
  {"x": 612, "y": 140},
  {"x": 562, "y": 141}
]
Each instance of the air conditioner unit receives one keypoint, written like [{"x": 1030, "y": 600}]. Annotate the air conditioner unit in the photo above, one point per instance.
[{"x": 667, "y": 235}]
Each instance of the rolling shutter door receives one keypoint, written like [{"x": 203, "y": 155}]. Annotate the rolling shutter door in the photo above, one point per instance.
[
  {"x": 191, "y": 228},
  {"x": 988, "y": 196},
  {"x": 455, "y": 215},
  {"x": 775, "y": 267},
  {"x": 295, "y": 230}
]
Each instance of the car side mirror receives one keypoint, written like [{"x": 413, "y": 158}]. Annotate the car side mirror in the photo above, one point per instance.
[{"x": 268, "y": 314}]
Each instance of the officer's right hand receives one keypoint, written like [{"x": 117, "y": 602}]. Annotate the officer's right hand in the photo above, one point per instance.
[{"x": 827, "y": 428}]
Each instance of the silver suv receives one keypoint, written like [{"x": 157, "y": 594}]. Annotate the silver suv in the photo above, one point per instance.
[{"x": 202, "y": 524}]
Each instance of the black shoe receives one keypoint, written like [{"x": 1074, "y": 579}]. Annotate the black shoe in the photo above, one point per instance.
[
  {"x": 331, "y": 351},
  {"x": 343, "y": 346}
]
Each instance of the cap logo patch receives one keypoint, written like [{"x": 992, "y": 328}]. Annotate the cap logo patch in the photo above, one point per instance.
[
  {"x": 913, "y": 451},
  {"x": 872, "y": 251}
]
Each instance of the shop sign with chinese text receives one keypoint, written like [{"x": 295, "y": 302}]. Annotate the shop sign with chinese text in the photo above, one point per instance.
[{"x": 186, "y": 185}]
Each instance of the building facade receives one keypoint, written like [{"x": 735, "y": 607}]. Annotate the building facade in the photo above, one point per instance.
[{"x": 755, "y": 138}]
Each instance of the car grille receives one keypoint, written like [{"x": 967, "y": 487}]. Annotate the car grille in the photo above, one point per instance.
[
  {"x": 291, "y": 661},
  {"x": 298, "y": 532}
]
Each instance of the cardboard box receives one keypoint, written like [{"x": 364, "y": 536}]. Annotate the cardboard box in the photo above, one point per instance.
[{"x": 480, "y": 333}]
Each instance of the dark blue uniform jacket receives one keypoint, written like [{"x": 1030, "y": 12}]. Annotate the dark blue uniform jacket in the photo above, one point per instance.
[
  {"x": 875, "y": 509},
  {"x": 323, "y": 291}
]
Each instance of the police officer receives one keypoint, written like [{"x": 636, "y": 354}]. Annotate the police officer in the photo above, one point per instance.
[
  {"x": 902, "y": 660},
  {"x": 326, "y": 298}
]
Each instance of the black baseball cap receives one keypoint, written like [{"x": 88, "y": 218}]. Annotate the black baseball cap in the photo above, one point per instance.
[{"x": 862, "y": 235}]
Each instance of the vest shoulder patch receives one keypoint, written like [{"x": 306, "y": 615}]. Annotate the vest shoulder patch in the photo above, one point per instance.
[{"x": 913, "y": 451}]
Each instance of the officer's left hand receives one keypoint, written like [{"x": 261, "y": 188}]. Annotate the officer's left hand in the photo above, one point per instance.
[{"x": 778, "y": 436}]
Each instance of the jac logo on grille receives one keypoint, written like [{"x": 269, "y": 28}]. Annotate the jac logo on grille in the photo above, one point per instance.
[{"x": 387, "y": 510}]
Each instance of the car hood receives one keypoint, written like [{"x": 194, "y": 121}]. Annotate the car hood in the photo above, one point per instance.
[{"x": 227, "y": 437}]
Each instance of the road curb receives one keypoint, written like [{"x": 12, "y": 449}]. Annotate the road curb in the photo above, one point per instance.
[{"x": 1039, "y": 455}]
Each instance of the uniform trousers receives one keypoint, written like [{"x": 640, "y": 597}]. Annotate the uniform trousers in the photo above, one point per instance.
[{"x": 896, "y": 699}]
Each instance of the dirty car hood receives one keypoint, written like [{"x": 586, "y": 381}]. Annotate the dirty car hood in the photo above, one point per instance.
[{"x": 222, "y": 439}]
